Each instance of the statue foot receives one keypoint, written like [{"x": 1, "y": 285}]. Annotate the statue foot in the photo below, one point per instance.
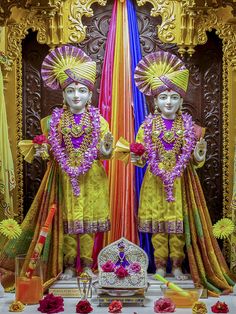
[
  {"x": 161, "y": 271},
  {"x": 178, "y": 274},
  {"x": 68, "y": 274}
]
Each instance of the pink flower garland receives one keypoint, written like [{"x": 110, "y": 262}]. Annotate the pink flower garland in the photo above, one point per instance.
[
  {"x": 153, "y": 159},
  {"x": 60, "y": 153}
]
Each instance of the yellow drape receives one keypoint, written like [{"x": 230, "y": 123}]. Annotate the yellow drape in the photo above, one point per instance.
[{"x": 7, "y": 177}]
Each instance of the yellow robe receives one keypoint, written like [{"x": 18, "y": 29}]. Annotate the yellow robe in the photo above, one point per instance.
[
  {"x": 155, "y": 214},
  {"x": 88, "y": 212}
]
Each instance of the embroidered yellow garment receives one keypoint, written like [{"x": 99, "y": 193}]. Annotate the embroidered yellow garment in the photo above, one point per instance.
[
  {"x": 89, "y": 212},
  {"x": 155, "y": 213}
]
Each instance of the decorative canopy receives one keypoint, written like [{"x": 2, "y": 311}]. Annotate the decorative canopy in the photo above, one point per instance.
[
  {"x": 68, "y": 64},
  {"x": 159, "y": 71}
]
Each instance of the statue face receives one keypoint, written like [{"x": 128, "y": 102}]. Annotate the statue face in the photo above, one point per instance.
[
  {"x": 168, "y": 103},
  {"x": 76, "y": 96}
]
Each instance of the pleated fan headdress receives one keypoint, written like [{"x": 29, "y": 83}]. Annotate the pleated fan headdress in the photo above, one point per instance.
[
  {"x": 159, "y": 71},
  {"x": 67, "y": 64}
]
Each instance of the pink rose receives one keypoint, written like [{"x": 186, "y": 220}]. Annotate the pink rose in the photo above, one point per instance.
[
  {"x": 135, "y": 267},
  {"x": 115, "y": 307},
  {"x": 121, "y": 272},
  {"x": 108, "y": 267},
  {"x": 40, "y": 139},
  {"x": 137, "y": 148},
  {"x": 51, "y": 304},
  {"x": 164, "y": 305}
]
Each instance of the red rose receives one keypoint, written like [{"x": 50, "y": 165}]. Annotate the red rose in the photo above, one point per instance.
[
  {"x": 83, "y": 306},
  {"x": 137, "y": 148},
  {"x": 108, "y": 267},
  {"x": 164, "y": 305},
  {"x": 121, "y": 272},
  {"x": 51, "y": 304},
  {"x": 115, "y": 307},
  {"x": 40, "y": 139},
  {"x": 220, "y": 307}
]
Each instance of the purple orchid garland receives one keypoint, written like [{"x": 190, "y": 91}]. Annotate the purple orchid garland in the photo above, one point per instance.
[
  {"x": 153, "y": 160},
  {"x": 60, "y": 153}
]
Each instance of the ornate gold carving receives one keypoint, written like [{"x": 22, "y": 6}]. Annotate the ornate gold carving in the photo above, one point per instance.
[
  {"x": 165, "y": 9},
  {"x": 78, "y": 9},
  {"x": 19, "y": 159},
  {"x": 42, "y": 6},
  {"x": 16, "y": 32},
  {"x": 227, "y": 34}
]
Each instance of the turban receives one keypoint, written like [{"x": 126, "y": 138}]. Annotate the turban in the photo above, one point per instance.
[
  {"x": 159, "y": 71},
  {"x": 67, "y": 64}
]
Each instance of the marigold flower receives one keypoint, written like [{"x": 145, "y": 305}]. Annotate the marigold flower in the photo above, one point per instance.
[
  {"x": 223, "y": 228},
  {"x": 10, "y": 228},
  {"x": 199, "y": 308},
  {"x": 16, "y": 306}
]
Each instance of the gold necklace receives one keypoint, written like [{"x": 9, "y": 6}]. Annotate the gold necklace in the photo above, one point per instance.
[
  {"x": 167, "y": 157},
  {"x": 168, "y": 135},
  {"x": 70, "y": 129}
]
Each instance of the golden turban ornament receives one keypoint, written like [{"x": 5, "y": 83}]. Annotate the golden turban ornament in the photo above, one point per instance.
[
  {"x": 159, "y": 71},
  {"x": 67, "y": 64}
]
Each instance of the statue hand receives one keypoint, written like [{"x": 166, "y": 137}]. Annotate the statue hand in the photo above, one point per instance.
[
  {"x": 200, "y": 150},
  {"x": 41, "y": 151},
  {"x": 106, "y": 145},
  {"x": 134, "y": 158}
]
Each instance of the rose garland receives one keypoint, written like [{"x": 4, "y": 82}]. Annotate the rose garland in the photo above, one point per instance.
[
  {"x": 60, "y": 153},
  {"x": 168, "y": 177}
]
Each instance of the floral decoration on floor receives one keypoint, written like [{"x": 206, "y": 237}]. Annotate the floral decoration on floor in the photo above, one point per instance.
[
  {"x": 16, "y": 306},
  {"x": 51, "y": 304},
  {"x": 199, "y": 308},
  {"x": 220, "y": 307},
  {"x": 83, "y": 306},
  {"x": 164, "y": 305},
  {"x": 115, "y": 307}
]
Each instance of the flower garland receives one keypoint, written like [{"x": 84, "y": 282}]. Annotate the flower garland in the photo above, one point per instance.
[
  {"x": 168, "y": 177},
  {"x": 60, "y": 153}
]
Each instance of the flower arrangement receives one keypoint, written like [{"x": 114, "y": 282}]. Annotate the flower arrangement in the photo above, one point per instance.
[
  {"x": 115, "y": 307},
  {"x": 10, "y": 228},
  {"x": 83, "y": 306},
  {"x": 223, "y": 228},
  {"x": 121, "y": 271},
  {"x": 220, "y": 307},
  {"x": 51, "y": 304},
  {"x": 164, "y": 305},
  {"x": 137, "y": 148}
]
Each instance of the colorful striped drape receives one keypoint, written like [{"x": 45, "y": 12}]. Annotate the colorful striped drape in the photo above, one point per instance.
[{"x": 123, "y": 106}]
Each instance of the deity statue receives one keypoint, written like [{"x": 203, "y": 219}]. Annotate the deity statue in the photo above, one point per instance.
[
  {"x": 172, "y": 205},
  {"x": 77, "y": 139}
]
